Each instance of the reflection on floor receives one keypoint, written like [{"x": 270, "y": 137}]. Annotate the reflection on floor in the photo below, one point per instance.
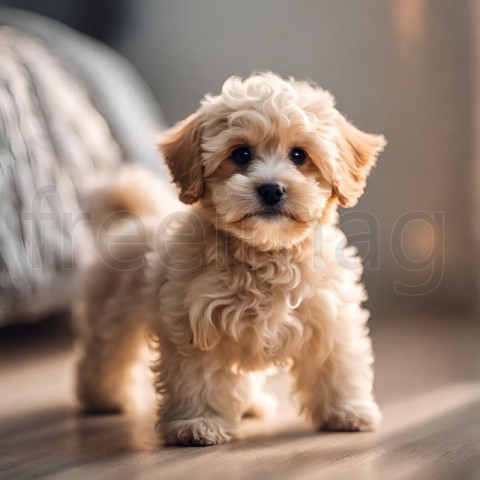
[{"x": 428, "y": 384}]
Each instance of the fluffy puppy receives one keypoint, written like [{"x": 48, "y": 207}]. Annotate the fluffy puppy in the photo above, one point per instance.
[{"x": 256, "y": 273}]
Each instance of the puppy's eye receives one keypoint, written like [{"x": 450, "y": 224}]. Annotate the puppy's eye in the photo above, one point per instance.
[
  {"x": 298, "y": 156},
  {"x": 242, "y": 155}
]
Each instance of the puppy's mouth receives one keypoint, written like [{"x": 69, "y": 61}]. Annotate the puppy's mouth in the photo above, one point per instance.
[{"x": 269, "y": 214}]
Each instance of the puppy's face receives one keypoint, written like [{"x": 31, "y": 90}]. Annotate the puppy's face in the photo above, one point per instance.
[{"x": 267, "y": 156}]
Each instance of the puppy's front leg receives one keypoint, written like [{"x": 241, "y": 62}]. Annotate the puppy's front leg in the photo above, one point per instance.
[
  {"x": 334, "y": 378},
  {"x": 202, "y": 400}
]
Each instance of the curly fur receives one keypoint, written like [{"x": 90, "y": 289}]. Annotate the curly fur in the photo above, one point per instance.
[{"x": 228, "y": 292}]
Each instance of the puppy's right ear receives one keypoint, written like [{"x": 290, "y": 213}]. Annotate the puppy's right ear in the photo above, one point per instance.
[
  {"x": 180, "y": 147},
  {"x": 358, "y": 153}
]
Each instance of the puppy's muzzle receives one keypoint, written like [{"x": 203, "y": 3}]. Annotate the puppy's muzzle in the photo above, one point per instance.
[{"x": 271, "y": 194}]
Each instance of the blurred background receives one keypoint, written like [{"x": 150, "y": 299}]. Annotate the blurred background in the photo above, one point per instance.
[
  {"x": 84, "y": 87},
  {"x": 404, "y": 68}
]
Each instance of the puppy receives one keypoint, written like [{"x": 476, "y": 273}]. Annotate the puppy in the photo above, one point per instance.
[{"x": 255, "y": 273}]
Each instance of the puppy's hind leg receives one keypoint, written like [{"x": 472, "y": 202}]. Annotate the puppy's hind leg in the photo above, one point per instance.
[
  {"x": 113, "y": 333},
  {"x": 260, "y": 404}
]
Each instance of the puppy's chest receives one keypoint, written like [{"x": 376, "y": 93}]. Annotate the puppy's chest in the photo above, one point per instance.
[
  {"x": 262, "y": 296},
  {"x": 258, "y": 309}
]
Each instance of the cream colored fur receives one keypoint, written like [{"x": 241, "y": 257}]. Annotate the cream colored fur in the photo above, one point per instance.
[{"x": 227, "y": 292}]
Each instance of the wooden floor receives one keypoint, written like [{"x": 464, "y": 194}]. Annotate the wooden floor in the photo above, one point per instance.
[{"x": 428, "y": 385}]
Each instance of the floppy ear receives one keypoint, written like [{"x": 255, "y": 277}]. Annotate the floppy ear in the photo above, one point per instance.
[
  {"x": 180, "y": 147},
  {"x": 358, "y": 153}
]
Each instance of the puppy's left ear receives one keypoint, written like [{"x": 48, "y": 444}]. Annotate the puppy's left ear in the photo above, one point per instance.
[
  {"x": 358, "y": 153},
  {"x": 180, "y": 147}
]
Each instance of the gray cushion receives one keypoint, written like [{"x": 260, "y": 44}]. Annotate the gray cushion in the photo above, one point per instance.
[{"x": 70, "y": 110}]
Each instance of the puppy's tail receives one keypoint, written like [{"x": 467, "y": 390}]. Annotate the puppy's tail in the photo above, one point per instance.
[{"x": 132, "y": 192}]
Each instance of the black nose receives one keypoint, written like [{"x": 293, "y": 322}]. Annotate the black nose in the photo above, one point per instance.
[{"x": 271, "y": 193}]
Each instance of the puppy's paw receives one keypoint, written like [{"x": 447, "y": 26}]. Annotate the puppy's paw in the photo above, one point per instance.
[
  {"x": 353, "y": 417},
  {"x": 195, "y": 432},
  {"x": 263, "y": 406}
]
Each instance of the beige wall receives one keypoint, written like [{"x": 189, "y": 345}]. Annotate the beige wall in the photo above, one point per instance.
[
  {"x": 475, "y": 164},
  {"x": 400, "y": 67}
]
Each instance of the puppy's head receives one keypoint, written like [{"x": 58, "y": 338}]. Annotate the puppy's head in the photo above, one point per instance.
[{"x": 267, "y": 156}]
